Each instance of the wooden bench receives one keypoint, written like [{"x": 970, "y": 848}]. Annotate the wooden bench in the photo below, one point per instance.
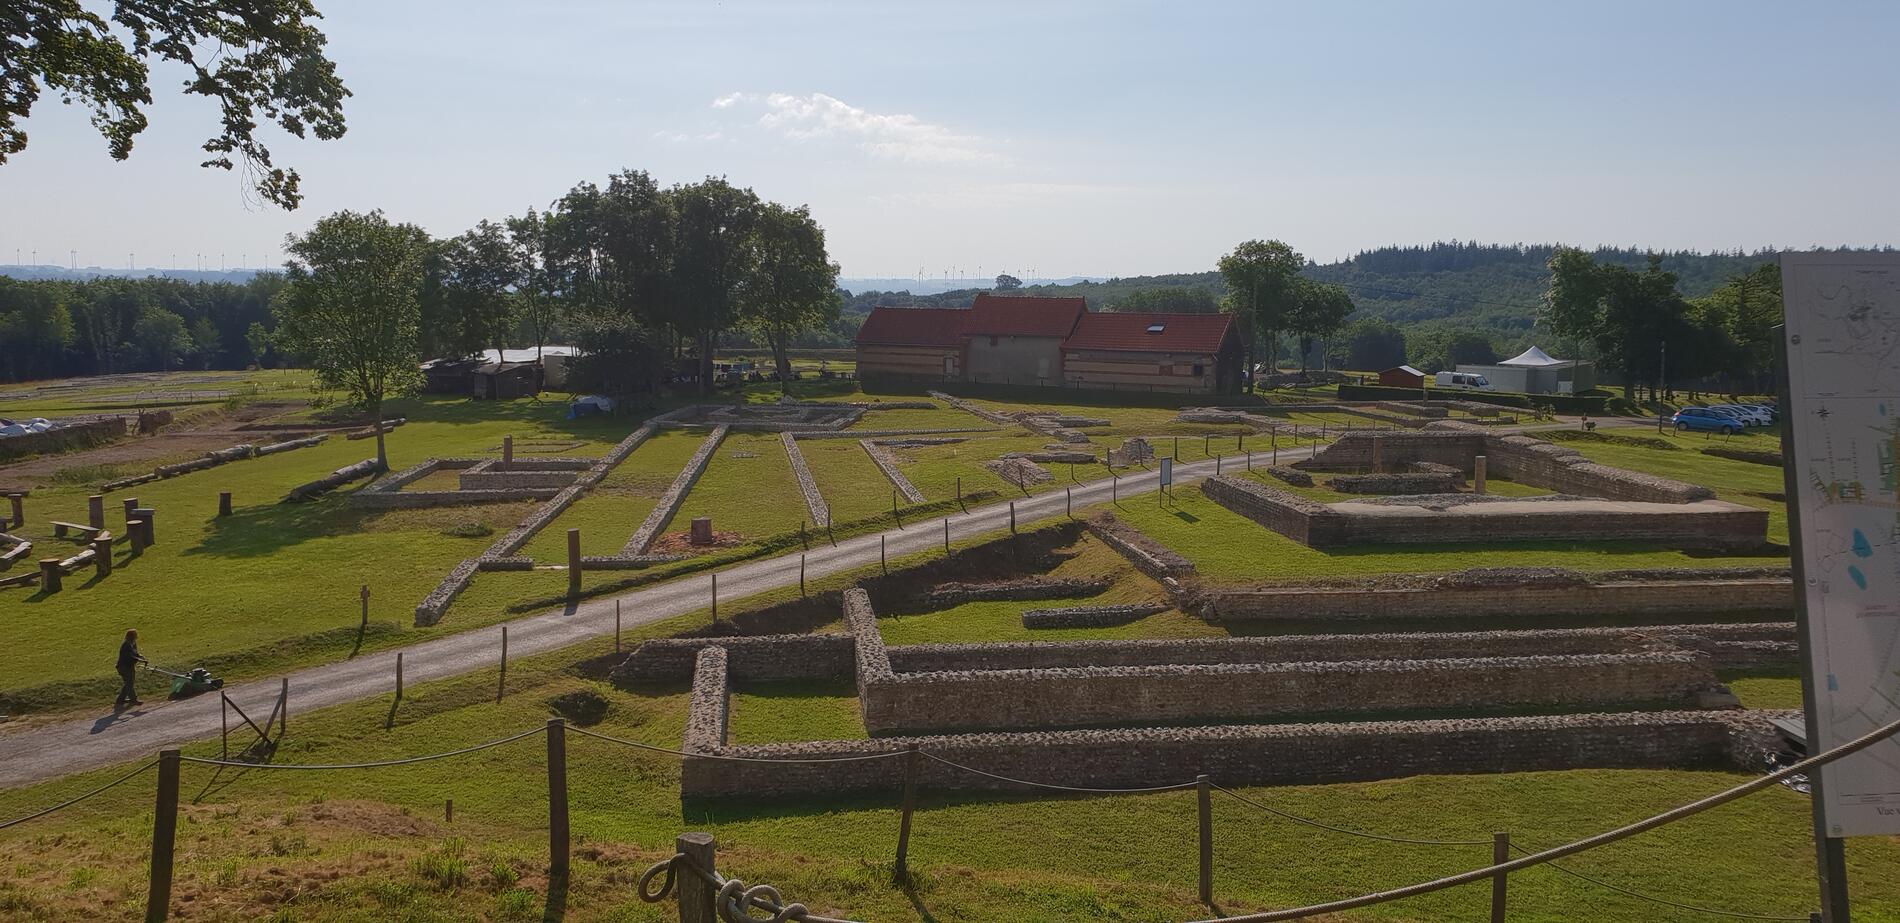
[
  {"x": 59, "y": 529},
  {"x": 15, "y": 553}
]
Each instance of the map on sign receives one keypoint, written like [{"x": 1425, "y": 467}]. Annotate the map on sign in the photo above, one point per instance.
[{"x": 1843, "y": 348}]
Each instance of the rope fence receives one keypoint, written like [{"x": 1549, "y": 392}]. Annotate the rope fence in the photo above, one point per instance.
[{"x": 715, "y": 897}]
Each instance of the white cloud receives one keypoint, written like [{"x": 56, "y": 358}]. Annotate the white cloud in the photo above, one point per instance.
[{"x": 898, "y": 136}]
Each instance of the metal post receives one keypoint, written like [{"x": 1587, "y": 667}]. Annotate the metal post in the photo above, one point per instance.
[
  {"x": 1249, "y": 461},
  {"x": 910, "y": 805},
  {"x": 399, "y": 676},
  {"x": 715, "y": 597},
  {"x": 158, "y": 896},
  {"x": 801, "y": 577},
  {"x": 1177, "y": 448},
  {"x": 1068, "y": 502},
  {"x": 224, "y": 726},
  {"x": 882, "y": 563},
  {"x": 1500, "y": 853},
  {"x": 1207, "y": 443},
  {"x": 1204, "y": 796},
  {"x": 283, "y": 702},
  {"x": 557, "y": 799},
  {"x": 573, "y": 562},
  {"x": 946, "y": 535},
  {"x": 1012, "y": 517},
  {"x": 616, "y": 626},
  {"x": 1217, "y": 464},
  {"x": 695, "y": 893},
  {"x": 960, "y": 496},
  {"x": 1114, "y": 489},
  {"x": 501, "y": 681}
]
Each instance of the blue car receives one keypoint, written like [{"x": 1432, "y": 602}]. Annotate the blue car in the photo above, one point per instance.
[{"x": 1702, "y": 418}]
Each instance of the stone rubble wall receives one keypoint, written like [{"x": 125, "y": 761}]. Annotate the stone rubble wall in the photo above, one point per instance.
[
  {"x": 887, "y": 463},
  {"x": 1157, "y": 561},
  {"x": 429, "y": 611},
  {"x": 945, "y": 595},
  {"x": 1688, "y": 596},
  {"x": 1520, "y": 458},
  {"x": 886, "y": 433},
  {"x": 969, "y": 408},
  {"x": 675, "y": 494},
  {"x": 749, "y": 658},
  {"x": 1276, "y": 754},
  {"x": 807, "y": 485},
  {"x": 708, "y": 710},
  {"x": 1185, "y": 693},
  {"x": 1090, "y": 616},
  {"x": 1308, "y": 522},
  {"x": 1396, "y": 483}
]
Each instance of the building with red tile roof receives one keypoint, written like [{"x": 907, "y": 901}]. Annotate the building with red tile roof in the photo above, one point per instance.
[{"x": 1050, "y": 342}]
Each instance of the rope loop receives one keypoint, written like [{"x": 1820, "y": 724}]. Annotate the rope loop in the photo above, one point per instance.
[
  {"x": 736, "y": 901},
  {"x": 666, "y": 885}
]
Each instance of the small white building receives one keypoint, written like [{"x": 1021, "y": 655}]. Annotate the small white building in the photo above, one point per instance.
[{"x": 1534, "y": 371}]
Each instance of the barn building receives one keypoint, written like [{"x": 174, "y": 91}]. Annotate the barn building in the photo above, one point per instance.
[
  {"x": 1050, "y": 342},
  {"x": 1402, "y": 376},
  {"x": 1189, "y": 353}
]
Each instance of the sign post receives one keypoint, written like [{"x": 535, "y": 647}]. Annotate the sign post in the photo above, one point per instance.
[
  {"x": 1840, "y": 412},
  {"x": 1167, "y": 477}
]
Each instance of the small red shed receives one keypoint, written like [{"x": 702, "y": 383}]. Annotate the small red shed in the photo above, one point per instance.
[{"x": 1403, "y": 376}]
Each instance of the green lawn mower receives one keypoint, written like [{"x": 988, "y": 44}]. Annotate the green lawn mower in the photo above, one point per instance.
[{"x": 185, "y": 685}]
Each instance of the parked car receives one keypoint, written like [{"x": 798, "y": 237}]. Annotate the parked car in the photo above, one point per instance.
[
  {"x": 1470, "y": 381},
  {"x": 1768, "y": 409},
  {"x": 1705, "y": 420},
  {"x": 1748, "y": 415}
]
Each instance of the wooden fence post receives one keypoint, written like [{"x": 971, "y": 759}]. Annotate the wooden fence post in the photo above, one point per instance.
[
  {"x": 695, "y": 893},
  {"x": 283, "y": 700},
  {"x": 131, "y": 504},
  {"x": 902, "y": 872},
  {"x": 616, "y": 626},
  {"x": 557, "y": 799},
  {"x": 49, "y": 575},
  {"x": 158, "y": 896},
  {"x": 146, "y": 516},
  {"x": 501, "y": 682},
  {"x": 573, "y": 562},
  {"x": 399, "y": 676},
  {"x": 1204, "y": 796},
  {"x": 801, "y": 579},
  {"x": 715, "y": 597},
  {"x": 1068, "y": 502},
  {"x": 1500, "y": 853},
  {"x": 135, "y": 532},
  {"x": 946, "y": 535},
  {"x": 224, "y": 503},
  {"x": 19, "y": 510},
  {"x": 224, "y": 726},
  {"x": 96, "y": 511},
  {"x": 1012, "y": 517},
  {"x": 960, "y": 495}
]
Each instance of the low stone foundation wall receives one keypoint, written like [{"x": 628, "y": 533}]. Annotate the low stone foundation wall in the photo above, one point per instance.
[
  {"x": 1519, "y": 458},
  {"x": 1152, "y": 558},
  {"x": 1090, "y": 616},
  {"x": 494, "y": 474},
  {"x": 1308, "y": 522},
  {"x": 887, "y": 463},
  {"x": 945, "y": 595},
  {"x": 1186, "y": 693},
  {"x": 1532, "y": 600},
  {"x": 670, "y": 501},
  {"x": 1286, "y": 754},
  {"x": 748, "y": 658},
  {"x": 429, "y": 611},
  {"x": 807, "y": 485},
  {"x": 1396, "y": 483}
]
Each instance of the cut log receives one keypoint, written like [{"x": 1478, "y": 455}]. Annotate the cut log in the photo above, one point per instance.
[
  {"x": 286, "y": 446},
  {"x": 337, "y": 478},
  {"x": 370, "y": 431}
]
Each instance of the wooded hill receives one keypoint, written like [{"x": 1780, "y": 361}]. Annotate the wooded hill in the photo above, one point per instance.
[{"x": 1497, "y": 289}]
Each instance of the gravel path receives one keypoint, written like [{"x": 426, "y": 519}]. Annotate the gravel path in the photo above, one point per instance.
[{"x": 55, "y": 749}]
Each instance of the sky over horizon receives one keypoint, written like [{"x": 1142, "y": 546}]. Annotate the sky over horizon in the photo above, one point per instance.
[{"x": 1059, "y": 138}]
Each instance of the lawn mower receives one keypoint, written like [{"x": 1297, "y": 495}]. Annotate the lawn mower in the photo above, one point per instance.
[{"x": 185, "y": 685}]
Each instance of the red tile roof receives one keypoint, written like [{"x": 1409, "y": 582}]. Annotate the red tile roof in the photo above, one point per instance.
[
  {"x": 888, "y": 326},
  {"x": 1179, "y": 333},
  {"x": 1023, "y": 316}
]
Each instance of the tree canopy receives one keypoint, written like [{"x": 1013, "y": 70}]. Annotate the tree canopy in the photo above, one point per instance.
[
  {"x": 351, "y": 307},
  {"x": 257, "y": 59}
]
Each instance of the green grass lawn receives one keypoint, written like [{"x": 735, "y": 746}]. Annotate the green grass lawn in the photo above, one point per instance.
[
  {"x": 1740, "y": 482},
  {"x": 129, "y": 393},
  {"x": 608, "y": 515},
  {"x": 944, "y": 417},
  {"x": 853, "y": 485},
  {"x": 747, "y": 488},
  {"x": 372, "y": 844},
  {"x": 273, "y": 585}
]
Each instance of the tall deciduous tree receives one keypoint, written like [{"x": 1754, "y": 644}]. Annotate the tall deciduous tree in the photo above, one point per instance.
[
  {"x": 1319, "y": 310},
  {"x": 1007, "y": 283},
  {"x": 792, "y": 285},
  {"x": 711, "y": 263},
  {"x": 351, "y": 307},
  {"x": 1629, "y": 316},
  {"x": 480, "y": 274},
  {"x": 538, "y": 304},
  {"x": 258, "y": 59},
  {"x": 1262, "y": 279}
]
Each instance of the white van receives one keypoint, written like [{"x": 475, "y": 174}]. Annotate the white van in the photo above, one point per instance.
[{"x": 1470, "y": 381}]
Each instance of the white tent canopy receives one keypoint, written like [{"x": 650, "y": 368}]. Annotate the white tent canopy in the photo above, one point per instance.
[{"x": 1534, "y": 358}]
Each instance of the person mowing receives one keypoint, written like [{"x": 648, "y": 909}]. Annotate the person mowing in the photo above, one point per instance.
[{"x": 129, "y": 658}]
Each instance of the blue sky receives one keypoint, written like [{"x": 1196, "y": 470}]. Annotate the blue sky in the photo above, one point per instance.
[{"x": 1068, "y": 138}]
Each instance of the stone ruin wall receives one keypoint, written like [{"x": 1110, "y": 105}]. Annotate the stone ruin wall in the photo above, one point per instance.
[
  {"x": 1282, "y": 754},
  {"x": 1683, "y": 597},
  {"x": 1518, "y": 458}
]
